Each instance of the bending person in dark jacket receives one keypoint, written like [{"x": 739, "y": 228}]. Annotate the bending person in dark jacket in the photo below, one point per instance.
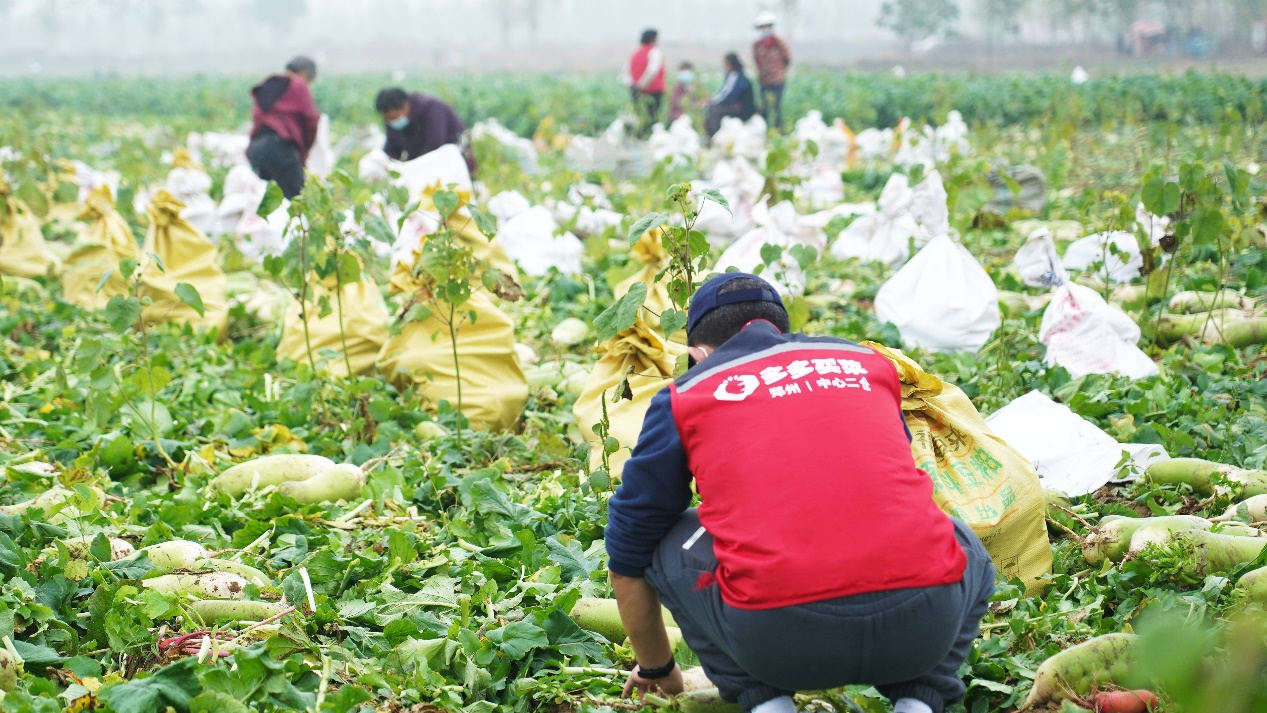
[
  {"x": 418, "y": 124},
  {"x": 284, "y": 128},
  {"x": 735, "y": 98},
  {"x": 817, "y": 557}
]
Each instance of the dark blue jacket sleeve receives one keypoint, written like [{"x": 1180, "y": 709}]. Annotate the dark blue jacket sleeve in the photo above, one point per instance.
[{"x": 655, "y": 490}]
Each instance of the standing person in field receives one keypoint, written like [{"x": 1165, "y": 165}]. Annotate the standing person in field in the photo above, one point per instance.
[
  {"x": 284, "y": 126},
  {"x": 647, "y": 82},
  {"x": 688, "y": 94},
  {"x": 418, "y": 124},
  {"x": 733, "y": 99},
  {"x": 772, "y": 57},
  {"x": 817, "y": 557}
]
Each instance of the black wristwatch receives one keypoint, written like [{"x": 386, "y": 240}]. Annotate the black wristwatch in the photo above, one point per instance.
[{"x": 657, "y": 673}]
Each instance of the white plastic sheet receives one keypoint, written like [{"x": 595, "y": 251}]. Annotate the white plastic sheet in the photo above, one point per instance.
[
  {"x": 942, "y": 300},
  {"x": 321, "y": 158},
  {"x": 1070, "y": 453},
  {"x": 737, "y": 137},
  {"x": 530, "y": 239},
  {"x": 1116, "y": 255},
  {"x": 508, "y": 204},
  {"x": 741, "y": 185},
  {"x": 522, "y": 149},
  {"x": 1087, "y": 335},
  {"x": 1038, "y": 263},
  {"x": 907, "y": 216}
]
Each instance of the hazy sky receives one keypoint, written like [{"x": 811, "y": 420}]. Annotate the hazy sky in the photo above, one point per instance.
[{"x": 245, "y": 35}]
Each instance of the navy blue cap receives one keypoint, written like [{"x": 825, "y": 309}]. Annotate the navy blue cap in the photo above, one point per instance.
[{"x": 706, "y": 298}]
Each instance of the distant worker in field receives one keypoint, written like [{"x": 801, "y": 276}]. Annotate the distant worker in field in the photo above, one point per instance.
[
  {"x": 817, "y": 557},
  {"x": 688, "y": 94},
  {"x": 647, "y": 82},
  {"x": 418, "y": 124},
  {"x": 733, "y": 99},
  {"x": 772, "y": 57},
  {"x": 284, "y": 126}
]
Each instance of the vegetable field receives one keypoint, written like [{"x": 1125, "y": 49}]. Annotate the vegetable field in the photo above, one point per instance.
[{"x": 193, "y": 521}]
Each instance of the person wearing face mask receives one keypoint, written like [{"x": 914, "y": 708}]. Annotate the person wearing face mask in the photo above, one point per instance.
[
  {"x": 688, "y": 94},
  {"x": 284, "y": 126},
  {"x": 418, "y": 124},
  {"x": 772, "y": 57},
  {"x": 817, "y": 557}
]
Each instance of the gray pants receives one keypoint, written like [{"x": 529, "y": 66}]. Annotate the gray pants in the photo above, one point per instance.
[{"x": 908, "y": 643}]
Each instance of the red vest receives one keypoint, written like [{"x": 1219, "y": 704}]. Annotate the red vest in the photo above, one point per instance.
[
  {"x": 806, "y": 477},
  {"x": 638, "y": 65}
]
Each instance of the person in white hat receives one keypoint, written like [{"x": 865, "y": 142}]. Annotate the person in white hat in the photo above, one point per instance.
[{"x": 772, "y": 57}]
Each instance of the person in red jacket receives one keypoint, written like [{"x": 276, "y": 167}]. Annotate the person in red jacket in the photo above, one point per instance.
[
  {"x": 817, "y": 557},
  {"x": 647, "y": 82},
  {"x": 284, "y": 126}
]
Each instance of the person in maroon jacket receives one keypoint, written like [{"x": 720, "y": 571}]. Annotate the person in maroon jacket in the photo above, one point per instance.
[
  {"x": 817, "y": 557},
  {"x": 284, "y": 126},
  {"x": 418, "y": 124}
]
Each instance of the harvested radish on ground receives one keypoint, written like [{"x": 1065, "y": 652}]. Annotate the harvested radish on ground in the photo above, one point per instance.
[
  {"x": 1139, "y": 701},
  {"x": 213, "y": 610},
  {"x": 175, "y": 554},
  {"x": 210, "y": 585},
  {"x": 269, "y": 470},
  {"x": 252, "y": 575},
  {"x": 1199, "y": 474},
  {"x": 1251, "y": 510},
  {"x": 1253, "y": 586},
  {"x": 81, "y": 548},
  {"x": 601, "y": 616},
  {"x": 1209, "y": 301},
  {"x": 1112, "y": 539},
  {"x": 340, "y": 482},
  {"x": 1157, "y": 530},
  {"x": 1190, "y": 556},
  {"x": 1080, "y": 669}
]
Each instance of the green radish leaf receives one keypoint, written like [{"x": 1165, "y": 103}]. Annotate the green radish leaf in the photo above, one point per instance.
[
  {"x": 518, "y": 638},
  {"x": 173, "y": 685}
]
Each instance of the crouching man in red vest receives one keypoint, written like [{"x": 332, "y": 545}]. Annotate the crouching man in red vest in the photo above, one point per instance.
[{"x": 816, "y": 558}]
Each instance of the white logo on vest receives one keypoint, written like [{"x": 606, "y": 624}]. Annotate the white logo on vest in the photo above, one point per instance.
[{"x": 747, "y": 385}]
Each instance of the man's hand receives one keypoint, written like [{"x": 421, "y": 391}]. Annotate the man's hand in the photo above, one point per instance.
[{"x": 670, "y": 685}]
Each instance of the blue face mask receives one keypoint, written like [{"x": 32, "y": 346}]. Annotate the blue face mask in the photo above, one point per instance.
[
  {"x": 399, "y": 124},
  {"x": 686, "y": 76}
]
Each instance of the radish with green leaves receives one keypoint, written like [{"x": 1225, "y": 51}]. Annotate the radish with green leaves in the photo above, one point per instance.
[
  {"x": 1078, "y": 670},
  {"x": 269, "y": 470},
  {"x": 1200, "y": 475},
  {"x": 1112, "y": 539},
  {"x": 340, "y": 482}
]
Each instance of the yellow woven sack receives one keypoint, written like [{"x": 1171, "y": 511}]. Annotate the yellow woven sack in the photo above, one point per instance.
[
  {"x": 365, "y": 320},
  {"x": 105, "y": 241},
  {"x": 977, "y": 477},
  {"x": 187, "y": 257},
  {"x": 652, "y": 361},
  {"x": 23, "y": 252},
  {"x": 494, "y": 388}
]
